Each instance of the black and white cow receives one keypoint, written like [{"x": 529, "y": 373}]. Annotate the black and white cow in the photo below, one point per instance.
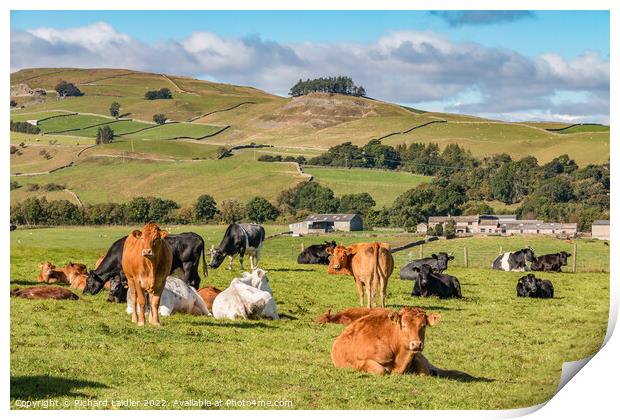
[
  {"x": 316, "y": 254},
  {"x": 530, "y": 286},
  {"x": 186, "y": 251},
  {"x": 514, "y": 261},
  {"x": 551, "y": 262},
  {"x": 438, "y": 262},
  {"x": 432, "y": 283},
  {"x": 238, "y": 239}
]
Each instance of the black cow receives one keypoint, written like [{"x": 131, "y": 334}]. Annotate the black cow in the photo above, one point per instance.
[
  {"x": 316, "y": 254},
  {"x": 514, "y": 261},
  {"x": 551, "y": 262},
  {"x": 432, "y": 283},
  {"x": 438, "y": 262},
  {"x": 186, "y": 250},
  {"x": 530, "y": 286},
  {"x": 238, "y": 239}
]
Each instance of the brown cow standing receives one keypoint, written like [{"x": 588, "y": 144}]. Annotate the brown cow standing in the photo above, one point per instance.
[
  {"x": 208, "y": 294},
  {"x": 44, "y": 292},
  {"x": 147, "y": 260},
  {"x": 383, "y": 343},
  {"x": 371, "y": 265}
]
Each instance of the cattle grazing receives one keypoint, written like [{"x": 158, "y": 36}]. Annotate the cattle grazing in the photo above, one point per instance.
[
  {"x": 432, "y": 283},
  {"x": 209, "y": 294},
  {"x": 348, "y": 315},
  {"x": 530, "y": 286},
  {"x": 239, "y": 239},
  {"x": 551, "y": 262},
  {"x": 44, "y": 292},
  {"x": 187, "y": 248},
  {"x": 383, "y": 343},
  {"x": 316, "y": 254},
  {"x": 514, "y": 261},
  {"x": 438, "y": 262},
  {"x": 146, "y": 261},
  {"x": 177, "y": 297},
  {"x": 371, "y": 265},
  {"x": 248, "y": 297}
]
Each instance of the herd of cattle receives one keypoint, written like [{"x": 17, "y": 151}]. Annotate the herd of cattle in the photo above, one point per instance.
[{"x": 138, "y": 269}]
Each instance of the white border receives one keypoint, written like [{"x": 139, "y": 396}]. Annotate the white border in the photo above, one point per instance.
[{"x": 592, "y": 393}]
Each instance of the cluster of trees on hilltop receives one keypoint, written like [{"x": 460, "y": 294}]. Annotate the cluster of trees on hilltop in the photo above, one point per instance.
[
  {"x": 339, "y": 84},
  {"x": 163, "y": 93}
]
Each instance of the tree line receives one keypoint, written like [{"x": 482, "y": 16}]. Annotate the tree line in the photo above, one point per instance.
[{"x": 339, "y": 84}]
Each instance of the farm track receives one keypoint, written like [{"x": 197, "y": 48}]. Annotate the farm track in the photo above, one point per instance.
[
  {"x": 177, "y": 87},
  {"x": 75, "y": 196}
]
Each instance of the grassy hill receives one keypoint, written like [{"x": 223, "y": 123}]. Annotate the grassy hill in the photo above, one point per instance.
[{"x": 209, "y": 115}]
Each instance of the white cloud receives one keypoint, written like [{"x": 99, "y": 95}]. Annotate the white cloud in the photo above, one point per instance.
[{"x": 401, "y": 66}]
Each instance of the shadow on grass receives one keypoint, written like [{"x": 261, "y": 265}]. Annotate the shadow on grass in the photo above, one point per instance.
[
  {"x": 43, "y": 386},
  {"x": 22, "y": 282},
  {"x": 290, "y": 269},
  {"x": 240, "y": 324}
]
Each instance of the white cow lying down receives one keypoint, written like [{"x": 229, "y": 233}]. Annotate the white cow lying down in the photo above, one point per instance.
[
  {"x": 248, "y": 297},
  {"x": 177, "y": 296}
]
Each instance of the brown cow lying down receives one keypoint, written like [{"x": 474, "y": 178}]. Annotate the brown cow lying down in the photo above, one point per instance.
[
  {"x": 383, "y": 341},
  {"x": 208, "y": 294},
  {"x": 44, "y": 292},
  {"x": 73, "y": 274}
]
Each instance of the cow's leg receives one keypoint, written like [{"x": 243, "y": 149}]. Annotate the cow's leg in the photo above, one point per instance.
[
  {"x": 360, "y": 291},
  {"x": 257, "y": 255},
  {"x": 383, "y": 289},
  {"x": 230, "y": 259},
  {"x": 372, "y": 367},
  {"x": 191, "y": 276},
  {"x": 368, "y": 294},
  {"x": 141, "y": 305},
  {"x": 154, "y": 300},
  {"x": 241, "y": 254},
  {"x": 134, "y": 303}
]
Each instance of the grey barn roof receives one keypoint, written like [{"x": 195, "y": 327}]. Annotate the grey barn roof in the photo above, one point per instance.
[
  {"x": 601, "y": 222},
  {"x": 330, "y": 217}
]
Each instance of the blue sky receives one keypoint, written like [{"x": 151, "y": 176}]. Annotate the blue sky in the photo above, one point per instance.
[{"x": 511, "y": 65}]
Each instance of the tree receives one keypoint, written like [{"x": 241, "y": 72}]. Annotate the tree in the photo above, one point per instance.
[
  {"x": 260, "y": 210},
  {"x": 67, "y": 89},
  {"x": 356, "y": 203},
  {"x": 163, "y": 93},
  {"x": 24, "y": 127},
  {"x": 13, "y": 103},
  {"x": 115, "y": 108},
  {"x": 231, "y": 211},
  {"x": 205, "y": 208},
  {"x": 316, "y": 198},
  {"x": 159, "y": 118},
  {"x": 438, "y": 231},
  {"x": 450, "y": 229},
  {"x": 105, "y": 135}
]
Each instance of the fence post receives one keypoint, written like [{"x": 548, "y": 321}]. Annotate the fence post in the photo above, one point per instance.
[
  {"x": 302, "y": 247},
  {"x": 465, "y": 257},
  {"x": 574, "y": 257},
  {"x": 501, "y": 250},
  {"x": 421, "y": 251}
]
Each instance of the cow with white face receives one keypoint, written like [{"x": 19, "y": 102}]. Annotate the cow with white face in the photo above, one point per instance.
[{"x": 247, "y": 297}]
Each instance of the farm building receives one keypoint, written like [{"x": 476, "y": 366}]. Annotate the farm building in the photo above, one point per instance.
[
  {"x": 323, "y": 223},
  {"x": 504, "y": 224},
  {"x": 537, "y": 227},
  {"x": 600, "y": 229},
  {"x": 464, "y": 224}
]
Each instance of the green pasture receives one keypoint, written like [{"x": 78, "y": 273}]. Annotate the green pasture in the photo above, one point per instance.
[
  {"x": 50, "y": 139},
  {"x": 169, "y": 131},
  {"x": 89, "y": 349},
  {"x": 585, "y": 128},
  {"x": 71, "y": 122},
  {"x": 177, "y": 149},
  {"x": 383, "y": 186}
]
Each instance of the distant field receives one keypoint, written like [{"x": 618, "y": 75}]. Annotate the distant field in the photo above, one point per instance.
[
  {"x": 98, "y": 180},
  {"x": 60, "y": 139},
  {"x": 483, "y": 334},
  {"x": 178, "y": 149},
  {"x": 383, "y": 186},
  {"x": 25, "y": 115},
  {"x": 71, "y": 122},
  {"x": 30, "y": 159},
  {"x": 585, "y": 128},
  {"x": 169, "y": 131}
]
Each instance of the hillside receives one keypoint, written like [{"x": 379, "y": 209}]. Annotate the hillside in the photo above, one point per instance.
[{"x": 204, "y": 116}]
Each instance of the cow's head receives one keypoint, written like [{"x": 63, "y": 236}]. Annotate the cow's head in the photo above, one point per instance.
[
  {"x": 118, "y": 290},
  {"x": 442, "y": 260},
  {"x": 424, "y": 272},
  {"x": 528, "y": 253},
  {"x": 151, "y": 239},
  {"x": 529, "y": 283},
  {"x": 339, "y": 261},
  {"x": 94, "y": 283},
  {"x": 217, "y": 257},
  {"x": 412, "y": 323},
  {"x": 47, "y": 268},
  {"x": 564, "y": 257}
]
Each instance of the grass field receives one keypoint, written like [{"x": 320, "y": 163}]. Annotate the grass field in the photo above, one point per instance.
[
  {"x": 177, "y": 149},
  {"x": 374, "y": 182},
  {"x": 89, "y": 349},
  {"x": 169, "y": 131}
]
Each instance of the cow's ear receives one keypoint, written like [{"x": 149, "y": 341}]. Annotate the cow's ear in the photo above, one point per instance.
[
  {"x": 394, "y": 317},
  {"x": 329, "y": 250},
  {"x": 136, "y": 234},
  {"x": 434, "y": 256},
  {"x": 450, "y": 257},
  {"x": 433, "y": 319},
  {"x": 416, "y": 269},
  {"x": 163, "y": 234}
]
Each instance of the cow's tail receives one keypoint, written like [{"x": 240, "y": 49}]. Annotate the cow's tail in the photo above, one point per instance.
[
  {"x": 205, "y": 270},
  {"x": 376, "y": 249}
]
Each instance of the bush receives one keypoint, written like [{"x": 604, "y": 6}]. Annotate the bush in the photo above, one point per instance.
[
  {"x": 53, "y": 187},
  {"x": 270, "y": 158},
  {"x": 115, "y": 109},
  {"x": 450, "y": 229},
  {"x": 32, "y": 187},
  {"x": 67, "y": 89},
  {"x": 205, "y": 208},
  {"x": 14, "y": 149},
  {"x": 159, "y": 119},
  {"x": 15, "y": 185},
  {"x": 260, "y": 210},
  {"x": 163, "y": 93},
  {"x": 105, "y": 135},
  {"x": 24, "y": 127},
  {"x": 231, "y": 211}
]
